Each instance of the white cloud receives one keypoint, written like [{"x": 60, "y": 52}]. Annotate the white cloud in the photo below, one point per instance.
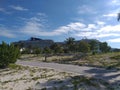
[
  {"x": 102, "y": 35},
  {"x": 42, "y": 14},
  {"x": 35, "y": 28},
  {"x": 92, "y": 26},
  {"x": 86, "y": 34},
  {"x": 98, "y": 31},
  {"x": 96, "y": 35},
  {"x": 110, "y": 28},
  {"x": 110, "y": 15},
  {"x": 32, "y": 27},
  {"x": 19, "y": 8},
  {"x": 114, "y": 2},
  {"x": 6, "y": 33},
  {"x": 100, "y": 23},
  {"x": 116, "y": 40}
]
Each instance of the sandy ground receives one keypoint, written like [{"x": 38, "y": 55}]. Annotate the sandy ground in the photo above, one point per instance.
[
  {"x": 52, "y": 76},
  {"x": 26, "y": 77},
  {"x": 111, "y": 76},
  {"x": 35, "y": 78}
]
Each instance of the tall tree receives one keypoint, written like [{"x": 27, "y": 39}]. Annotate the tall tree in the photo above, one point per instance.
[{"x": 70, "y": 43}]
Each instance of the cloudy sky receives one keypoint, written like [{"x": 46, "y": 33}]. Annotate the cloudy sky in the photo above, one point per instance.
[{"x": 60, "y": 19}]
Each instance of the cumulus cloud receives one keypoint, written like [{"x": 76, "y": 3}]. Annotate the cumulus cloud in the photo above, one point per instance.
[
  {"x": 99, "y": 29},
  {"x": 34, "y": 26},
  {"x": 18, "y": 8}
]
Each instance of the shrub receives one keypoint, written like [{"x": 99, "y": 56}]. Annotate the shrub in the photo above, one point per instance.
[{"x": 8, "y": 54}]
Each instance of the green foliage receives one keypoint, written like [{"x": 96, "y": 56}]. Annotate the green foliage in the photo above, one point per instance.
[
  {"x": 70, "y": 40},
  {"x": 83, "y": 47},
  {"x": 37, "y": 51},
  {"x": 8, "y": 54},
  {"x": 104, "y": 47},
  {"x": 47, "y": 50},
  {"x": 70, "y": 43},
  {"x": 93, "y": 45},
  {"x": 56, "y": 48}
]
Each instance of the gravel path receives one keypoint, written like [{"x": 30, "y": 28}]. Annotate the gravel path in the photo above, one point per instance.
[{"x": 111, "y": 76}]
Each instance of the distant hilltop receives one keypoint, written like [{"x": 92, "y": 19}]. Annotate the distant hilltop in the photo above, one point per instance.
[{"x": 34, "y": 42}]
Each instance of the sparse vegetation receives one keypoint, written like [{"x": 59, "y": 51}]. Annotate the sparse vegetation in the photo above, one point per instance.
[{"x": 21, "y": 75}]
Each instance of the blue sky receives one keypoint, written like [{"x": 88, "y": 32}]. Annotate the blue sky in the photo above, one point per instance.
[{"x": 60, "y": 19}]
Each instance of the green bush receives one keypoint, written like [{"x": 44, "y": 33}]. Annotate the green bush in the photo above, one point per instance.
[{"x": 8, "y": 54}]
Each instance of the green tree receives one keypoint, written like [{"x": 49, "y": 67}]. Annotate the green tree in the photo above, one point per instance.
[
  {"x": 104, "y": 47},
  {"x": 8, "y": 54},
  {"x": 94, "y": 46},
  {"x": 14, "y": 53},
  {"x": 56, "y": 48},
  {"x": 83, "y": 47},
  {"x": 37, "y": 51},
  {"x": 46, "y": 51},
  {"x": 70, "y": 43},
  {"x": 70, "y": 40}
]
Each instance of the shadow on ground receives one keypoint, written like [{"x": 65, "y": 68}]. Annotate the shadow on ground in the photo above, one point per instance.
[{"x": 111, "y": 76}]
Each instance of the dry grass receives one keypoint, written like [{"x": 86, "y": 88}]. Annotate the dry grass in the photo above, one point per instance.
[
  {"x": 24, "y": 78},
  {"x": 107, "y": 60}
]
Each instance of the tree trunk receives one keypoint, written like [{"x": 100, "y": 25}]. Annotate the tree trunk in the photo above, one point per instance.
[{"x": 45, "y": 58}]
